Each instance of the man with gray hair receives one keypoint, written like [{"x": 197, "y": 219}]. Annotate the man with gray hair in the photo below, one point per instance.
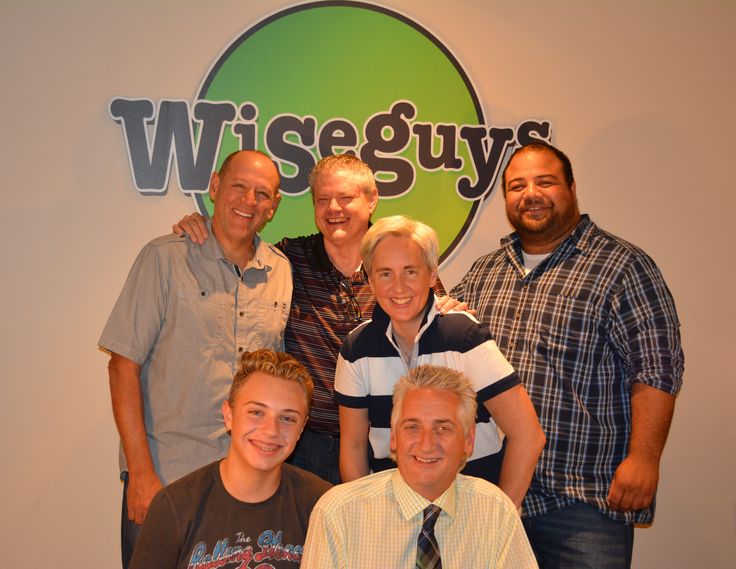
[{"x": 423, "y": 514}]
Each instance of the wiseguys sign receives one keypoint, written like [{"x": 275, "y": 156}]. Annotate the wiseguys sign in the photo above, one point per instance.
[{"x": 325, "y": 78}]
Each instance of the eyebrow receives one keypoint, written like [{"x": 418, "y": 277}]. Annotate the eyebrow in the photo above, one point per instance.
[
  {"x": 412, "y": 266},
  {"x": 434, "y": 422},
  {"x": 259, "y": 404},
  {"x": 255, "y": 187}
]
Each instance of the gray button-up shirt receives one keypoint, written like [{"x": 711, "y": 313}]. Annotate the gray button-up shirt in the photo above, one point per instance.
[{"x": 185, "y": 316}]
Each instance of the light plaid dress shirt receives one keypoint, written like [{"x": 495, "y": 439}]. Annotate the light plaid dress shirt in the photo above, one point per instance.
[
  {"x": 375, "y": 521},
  {"x": 580, "y": 328}
]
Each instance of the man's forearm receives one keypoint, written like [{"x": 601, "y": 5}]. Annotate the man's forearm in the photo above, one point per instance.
[
  {"x": 651, "y": 416},
  {"x": 127, "y": 406},
  {"x": 518, "y": 467},
  {"x": 635, "y": 480},
  {"x": 353, "y": 462},
  {"x": 354, "y": 427},
  {"x": 514, "y": 413}
]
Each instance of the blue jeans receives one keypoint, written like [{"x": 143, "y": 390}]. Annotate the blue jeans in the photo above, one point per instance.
[
  {"x": 319, "y": 454},
  {"x": 129, "y": 530},
  {"x": 579, "y": 537}
]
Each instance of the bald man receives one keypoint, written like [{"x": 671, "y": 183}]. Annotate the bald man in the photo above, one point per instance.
[{"x": 185, "y": 315}]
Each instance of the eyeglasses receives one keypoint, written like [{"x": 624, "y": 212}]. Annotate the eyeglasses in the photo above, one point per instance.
[{"x": 348, "y": 300}]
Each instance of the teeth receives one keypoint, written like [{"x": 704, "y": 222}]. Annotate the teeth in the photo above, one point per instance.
[
  {"x": 400, "y": 301},
  {"x": 265, "y": 447},
  {"x": 337, "y": 220},
  {"x": 426, "y": 460},
  {"x": 242, "y": 214}
]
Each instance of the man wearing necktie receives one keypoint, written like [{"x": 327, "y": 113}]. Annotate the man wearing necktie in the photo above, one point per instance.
[{"x": 423, "y": 514}]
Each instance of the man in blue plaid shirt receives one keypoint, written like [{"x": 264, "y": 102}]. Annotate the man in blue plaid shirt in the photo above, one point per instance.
[{"x": 589, "y": 324}]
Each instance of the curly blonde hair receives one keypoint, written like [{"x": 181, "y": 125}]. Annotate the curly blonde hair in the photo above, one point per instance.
[{"x": 277, "y": 364}]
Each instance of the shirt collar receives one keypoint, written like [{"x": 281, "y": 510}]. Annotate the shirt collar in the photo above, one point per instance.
[
  {"x": 212, "y": 249},
  {"x": 320, "y": 259},
  {"x": 320, "y": 262},
  {"x": 411, "y": 503},
  {"x": 578, "y": 239}
]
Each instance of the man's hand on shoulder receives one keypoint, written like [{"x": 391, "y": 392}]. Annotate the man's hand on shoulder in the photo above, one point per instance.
[
  {"x": 141, "y": 490},
  {"x": 634, "y": 484},
  {"x": 193, "y": 226},
  {"x": 447, "y": 303}
]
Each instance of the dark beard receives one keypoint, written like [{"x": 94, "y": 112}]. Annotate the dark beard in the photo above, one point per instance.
[{"x": 550, "y": 229}]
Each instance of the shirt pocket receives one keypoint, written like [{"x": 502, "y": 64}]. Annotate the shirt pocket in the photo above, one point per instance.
[
  {"x": 261, "y": 323},
  {"x": 202, "y": 317},
  {"x": 572, "y": 336}
]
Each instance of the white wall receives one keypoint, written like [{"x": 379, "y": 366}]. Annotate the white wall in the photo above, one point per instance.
[{"x": 640, "y": 94}]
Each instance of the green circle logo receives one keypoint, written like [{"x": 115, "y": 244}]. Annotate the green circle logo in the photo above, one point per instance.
[{"x": 331, "y": 77}]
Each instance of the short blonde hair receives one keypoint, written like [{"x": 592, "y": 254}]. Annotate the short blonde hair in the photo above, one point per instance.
[
  {"x": 277, "y": 364},
  {"x": 361, "y": 172},
  {"x": 401, "y": 226}
]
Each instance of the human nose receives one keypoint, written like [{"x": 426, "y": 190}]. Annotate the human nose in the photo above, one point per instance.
[
  {"x": 426, "y": 440},
  {"x": 399, "y": 282},
  {"x": 532, "y": 190},
  {"x": 248, "y": 196},
  {"x": 271, "y": 425}
]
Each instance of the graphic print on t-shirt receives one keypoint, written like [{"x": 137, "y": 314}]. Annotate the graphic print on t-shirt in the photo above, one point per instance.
[{"x": 243, "y": 553}]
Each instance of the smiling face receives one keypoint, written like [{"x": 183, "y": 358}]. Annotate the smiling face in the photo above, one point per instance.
[
  {"x": 429, "y": 442},
  {"x": 400, "y": 280},
  {"x": 245, "y": 197},
  {"x": 540, "y": 204},
  {"x": 265, "y": 422},
  {"x": 342, "y": 209}
]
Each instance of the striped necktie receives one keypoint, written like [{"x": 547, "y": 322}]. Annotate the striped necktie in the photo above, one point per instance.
[{"x": 428, "y": 552}]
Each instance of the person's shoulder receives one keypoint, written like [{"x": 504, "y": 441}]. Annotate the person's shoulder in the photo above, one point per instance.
[
  {"x": 163, "y": 251},
  {"x": 368, "y": 339},
  {"x": 302, "y": 243},
  {"x": 602, "y": 238},
  {"x": 457, "y": 320},
  {"x": 362, "y": 490},
  {"x": 488, "y": 258},
  {"x": 460, "y": 330},
  {"x": 274, "y": 252},
  {"x": 362, "y": 330},
  {"x": 481, "y": 494},
  {"x": 484, "y": 264},
  {"x": 170, "y": 241},
  {"x": 631, "y": 259},
  {"x": 195, "y": 484},
  {"x": 306, "y": 482}
]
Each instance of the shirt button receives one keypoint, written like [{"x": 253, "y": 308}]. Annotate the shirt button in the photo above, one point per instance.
[
  {"x": 242, "y": 313},
  {"x": 240, "y": 349}
]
